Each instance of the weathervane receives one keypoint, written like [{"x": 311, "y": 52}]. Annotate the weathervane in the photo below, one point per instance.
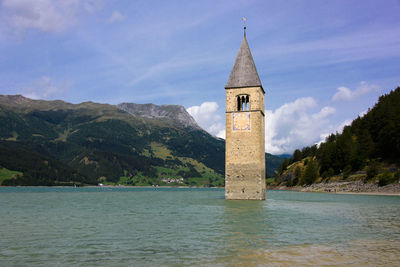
[{"x": 244, "y": 25}]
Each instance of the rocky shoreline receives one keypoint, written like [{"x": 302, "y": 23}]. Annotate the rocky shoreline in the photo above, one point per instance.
[{"x": 345, "y": 187}]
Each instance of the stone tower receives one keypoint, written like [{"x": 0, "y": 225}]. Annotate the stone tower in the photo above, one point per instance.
[{"x": 245, "y": 132}]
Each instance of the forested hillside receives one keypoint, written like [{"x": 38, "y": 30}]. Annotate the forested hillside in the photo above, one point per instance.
[
  {"x": 58, "y": 143},
  {"x": 368, "y": 149}
]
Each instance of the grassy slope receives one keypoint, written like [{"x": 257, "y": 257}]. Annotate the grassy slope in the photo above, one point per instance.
[
  {"x": 8, "y": 174},
  {"x": 386, "y": 171}
]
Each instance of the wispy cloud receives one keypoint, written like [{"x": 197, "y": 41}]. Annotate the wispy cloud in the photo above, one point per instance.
[
  {"x": 174, "y": 64},
  {"x": 325, "y": 112},
  {"x": 116, "y": 16},
  {"x": 345, "y": 94},
  {"x": 44, "y": 88},
  {"x": 44, "y": 15},
  {"x": 362, "y": 44}
]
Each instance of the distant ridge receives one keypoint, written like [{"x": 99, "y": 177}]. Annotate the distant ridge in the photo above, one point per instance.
[
  {"x": 60, "y": 143},
  {"x": 173, "y": 112}
]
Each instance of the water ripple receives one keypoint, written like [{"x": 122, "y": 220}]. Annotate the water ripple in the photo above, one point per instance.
[{"x": 171, "y": 226}]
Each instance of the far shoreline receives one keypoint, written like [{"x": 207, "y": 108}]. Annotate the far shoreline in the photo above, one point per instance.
[
  {"x": 338, "y": 193},
  {"x": 106, "y": 186},
  {"x": 357, "y": 187},
  {"x": 300, "y": 189}
]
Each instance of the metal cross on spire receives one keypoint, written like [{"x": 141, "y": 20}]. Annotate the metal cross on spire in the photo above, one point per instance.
[{"x": 244, "y": 25}]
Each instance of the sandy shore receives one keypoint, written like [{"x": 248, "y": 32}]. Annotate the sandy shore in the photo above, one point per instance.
[{"x": 353, "y": 187}]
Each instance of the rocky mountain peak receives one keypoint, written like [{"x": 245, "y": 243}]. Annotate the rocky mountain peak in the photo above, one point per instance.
[
  {"x": 175, "y": 113},
  {"x": 16, "y": 99}
]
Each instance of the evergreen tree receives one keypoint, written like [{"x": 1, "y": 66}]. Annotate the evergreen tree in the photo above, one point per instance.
[
  {"x": 283, "y": 166},
  {"x": 297, "y": 155},
  {"x": 297, "y": 176},
  {"x": 310, "y": 174},
  {"x": 373, "y": 138}
]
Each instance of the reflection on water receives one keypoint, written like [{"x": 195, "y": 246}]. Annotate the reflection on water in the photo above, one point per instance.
[
  {"x": 309, "y": 230},
  {"x": 244, "y": 224},
  {"x": 356, "y": 253},
  {"x": 146, "y": 226}
]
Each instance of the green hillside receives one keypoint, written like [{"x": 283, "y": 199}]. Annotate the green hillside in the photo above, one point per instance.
[
  {"x": 6, "y": 174},
  {"x": 90, "y": 143},
  {"x": 58, "y": 143},
  {"x": 368, "y": 149}
]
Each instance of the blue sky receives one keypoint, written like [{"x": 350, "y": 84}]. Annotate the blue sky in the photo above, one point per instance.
[{"x": 322, "y": 63}]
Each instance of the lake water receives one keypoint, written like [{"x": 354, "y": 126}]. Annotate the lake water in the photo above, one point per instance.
[{"x": 181, "y": 227}]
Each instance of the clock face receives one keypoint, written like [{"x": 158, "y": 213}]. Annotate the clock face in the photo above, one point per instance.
[{"x": 241, "y": 121}]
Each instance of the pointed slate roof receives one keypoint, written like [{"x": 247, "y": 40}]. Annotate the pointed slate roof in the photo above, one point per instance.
[{"x": 244, "y": 72}]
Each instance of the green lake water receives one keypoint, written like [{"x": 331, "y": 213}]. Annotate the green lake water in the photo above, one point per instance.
[{"x": 42, "y": 226}]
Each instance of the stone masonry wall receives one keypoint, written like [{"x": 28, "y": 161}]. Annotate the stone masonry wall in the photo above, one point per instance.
[{"x": 245, "y": 149}]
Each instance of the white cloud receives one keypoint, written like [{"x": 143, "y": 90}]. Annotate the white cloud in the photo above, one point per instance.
[
  {"x": 346, "y": 94},
  {"x": 325, "y": 112},
  {"x": 206, "y": 115},
  {"x": 44, "y": 88},
  {"x": 294, "y": 125},
  {"x": 221, "y": 134},
  {"x": 44, "y": 15},
  {"x": 343, "y": 93},
  {"x": 116, "y": 16},
  {"x": 322, "y": 138},
  {"x": 291, "y": 126}
]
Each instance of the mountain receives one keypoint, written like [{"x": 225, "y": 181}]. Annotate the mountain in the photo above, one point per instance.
[
  {"x": 368, "y": 149},
  {"x": 103, "y": 143},
  {"x": 59, "y": 143},
  {"x": 34, "y": 168},
  {"x": 285, "y": 156},
  {"x": 272, "y": 164},
  {"x": 175, "y": 113}
]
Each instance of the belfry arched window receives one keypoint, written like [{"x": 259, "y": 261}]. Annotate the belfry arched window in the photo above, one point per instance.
[{"x": 243, "y": 102}]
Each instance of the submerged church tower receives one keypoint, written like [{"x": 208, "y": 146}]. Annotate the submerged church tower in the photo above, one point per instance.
[{"x": 245, "y": 131}]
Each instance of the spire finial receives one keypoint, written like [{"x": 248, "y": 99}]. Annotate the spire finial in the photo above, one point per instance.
[{"x": 244, "y": 26}]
